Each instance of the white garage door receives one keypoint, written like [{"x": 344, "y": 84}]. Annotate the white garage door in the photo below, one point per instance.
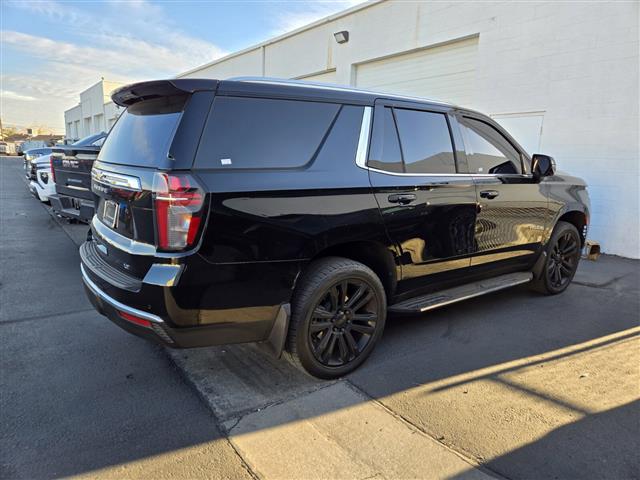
[
  {"x": 324, "y": 77},
  {"x": 526, "y": 128},
  {"x": 443, "y": 73}
]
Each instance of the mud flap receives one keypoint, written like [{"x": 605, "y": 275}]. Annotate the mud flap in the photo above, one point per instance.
[
  {"x": 538, "y": 268},
  {"x": 274, "y": 344}
]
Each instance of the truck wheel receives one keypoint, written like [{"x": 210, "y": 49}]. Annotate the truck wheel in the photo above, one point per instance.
[
  {"x": 563, "y": 256},
  {"x": 338, "y": 314}
]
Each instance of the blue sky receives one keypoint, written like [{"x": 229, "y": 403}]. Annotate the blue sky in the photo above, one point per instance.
[{"x": 52, "y": 50}]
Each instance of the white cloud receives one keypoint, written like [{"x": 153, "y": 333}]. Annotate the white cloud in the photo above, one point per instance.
[
  {"x": 138, "y": 45},
  {"x": 123, "y": 53},
  {"x": 10, "y": 95}
]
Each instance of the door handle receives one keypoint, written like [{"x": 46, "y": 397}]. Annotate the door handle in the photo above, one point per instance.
[
  {"x": 402, "y": 198},
  {"x": 489, "y": 194}
]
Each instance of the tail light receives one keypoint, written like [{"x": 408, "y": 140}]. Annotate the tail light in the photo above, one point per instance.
[
  {"x": 178, "y": 202},
  {"x": 53, "y": 172}
]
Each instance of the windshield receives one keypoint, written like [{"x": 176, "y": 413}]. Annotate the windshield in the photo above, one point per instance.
[{"x": 143, "y": 133}]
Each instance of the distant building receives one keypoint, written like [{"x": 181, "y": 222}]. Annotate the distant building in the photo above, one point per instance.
[{"x": 95, "y": 112}]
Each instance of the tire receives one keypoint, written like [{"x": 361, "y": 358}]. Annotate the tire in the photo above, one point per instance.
[
  {"x": 338, "y": 314},
  {"x": 563, "y": 256}
]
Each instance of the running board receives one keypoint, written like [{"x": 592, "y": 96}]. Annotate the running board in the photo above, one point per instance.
[{"x": 457, "y": 294}]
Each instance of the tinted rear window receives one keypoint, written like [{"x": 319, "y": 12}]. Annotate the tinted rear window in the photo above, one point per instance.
[
  {"x": 143, "y": 133},
  {"x": 384, "y": 153},
  {"x": 263, "y": 133},
  {"x": 426, "y": 142}
]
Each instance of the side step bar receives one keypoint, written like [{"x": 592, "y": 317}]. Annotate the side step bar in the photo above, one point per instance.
[{"x": 457, "y": 294}]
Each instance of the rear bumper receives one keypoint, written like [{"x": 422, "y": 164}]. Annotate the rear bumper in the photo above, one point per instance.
[
  {"x": 42, "y": 192},
  {"x": 161, "y": 332},
  {"x": 72, "y": 207}
]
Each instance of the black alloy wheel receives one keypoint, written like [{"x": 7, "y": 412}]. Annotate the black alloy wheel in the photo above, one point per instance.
[
  {"x": 562, "y": 259},
  {"x": 343, "y": 322},
  {"x": 338, "y": 312}
]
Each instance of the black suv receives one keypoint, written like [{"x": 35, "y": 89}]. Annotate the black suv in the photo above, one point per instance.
[{"x": 299, "y": 215}]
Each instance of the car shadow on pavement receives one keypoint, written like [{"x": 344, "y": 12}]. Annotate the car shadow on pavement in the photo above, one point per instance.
[
  {"x": 600, "y": 445},
  {"x": 458, "y": 374}
]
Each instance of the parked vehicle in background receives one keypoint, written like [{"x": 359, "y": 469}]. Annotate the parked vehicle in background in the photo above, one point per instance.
[
  {"x": 71, "y": 170},
  {"x": 297, "y": 215},
  {"x": 30, "y": 155},
  {"x": 7, "y": 148},
  {"x": 41, "y": 183},
  {"x": 34, "y": 144}
]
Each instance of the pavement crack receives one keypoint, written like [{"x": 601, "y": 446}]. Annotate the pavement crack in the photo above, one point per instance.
[
  {"x": 253, "y": 474},
  {"x": 461, "y": 453},
  {"x": 43, "y": 317},
  {"x": 601, "y": 285}
]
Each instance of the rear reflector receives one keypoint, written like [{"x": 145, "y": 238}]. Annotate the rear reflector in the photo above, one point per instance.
[
  {"x": 178, "y": 202},
  {"x": 133, "y": 319}
]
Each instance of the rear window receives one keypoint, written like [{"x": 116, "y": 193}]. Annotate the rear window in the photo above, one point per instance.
[
  {"x": 426, "y": 142},
  {"x": 263, "y": 133},
  {"x": 384, "y": 153},
  {"x": 143, "y": 133}
]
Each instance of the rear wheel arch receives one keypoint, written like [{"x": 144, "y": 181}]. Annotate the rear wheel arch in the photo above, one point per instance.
[{"x": 371, "y": 254}]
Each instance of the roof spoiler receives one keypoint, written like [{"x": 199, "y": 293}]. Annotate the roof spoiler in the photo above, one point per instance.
[{"x": 136, "y": 92}]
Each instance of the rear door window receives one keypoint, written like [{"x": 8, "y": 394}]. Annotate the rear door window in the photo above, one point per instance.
[
  {"x": 385, "y": 147},
  {"x": 488, "y": 151},
  {"x": 263, "y": 133},
  {"x": 426, "y": 141},
  {"x": 143, "y": 133}
]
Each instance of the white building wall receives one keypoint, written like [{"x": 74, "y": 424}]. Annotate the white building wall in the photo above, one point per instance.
[
  {"x": 563, "y": 76},
  {"x": 95, "y": 112},
  {"x": 111, "y": 114},
  {"x": 72, "y": 119}
]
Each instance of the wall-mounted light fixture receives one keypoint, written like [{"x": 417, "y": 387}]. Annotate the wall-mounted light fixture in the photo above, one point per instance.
[{"x": 342, "y": 36}]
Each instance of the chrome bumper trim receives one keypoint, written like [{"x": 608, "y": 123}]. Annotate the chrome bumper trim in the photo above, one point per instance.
[
  {"x": 120, "y": 241},
  {"x": 163, "y": 275},
  {"x": 131, "y": 246},
  {"x": 116, "y": 304}
]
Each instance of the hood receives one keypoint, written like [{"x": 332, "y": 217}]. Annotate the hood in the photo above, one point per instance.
[{"x": 564, "y": 177}]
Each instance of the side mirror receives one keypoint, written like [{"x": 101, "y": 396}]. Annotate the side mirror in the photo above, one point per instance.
[{"x": 542, "y": 166}]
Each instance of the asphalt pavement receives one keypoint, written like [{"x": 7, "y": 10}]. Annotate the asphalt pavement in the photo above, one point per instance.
[
  {"x": 79, "y": 396},
  {"x": 511, "y": 385}
]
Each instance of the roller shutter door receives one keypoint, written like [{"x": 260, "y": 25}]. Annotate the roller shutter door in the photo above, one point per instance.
[{"x": 445, "y": 73}]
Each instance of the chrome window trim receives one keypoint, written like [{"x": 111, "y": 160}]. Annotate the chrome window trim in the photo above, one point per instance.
[
  {"x": 480, "y": 175},
  {"x": 116, "y": 179},
  {"x": 114, "y": 303},
  {"x": 363, "y": 140}
]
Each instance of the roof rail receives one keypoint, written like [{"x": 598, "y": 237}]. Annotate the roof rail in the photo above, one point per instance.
[{"x": 331, "y": 86}]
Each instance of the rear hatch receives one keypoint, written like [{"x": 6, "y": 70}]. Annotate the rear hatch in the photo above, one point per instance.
[
  {"x": 72, "y": 171},
  {"x": 71, "y": 166},
  {"x": 148, "y": 204}
]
